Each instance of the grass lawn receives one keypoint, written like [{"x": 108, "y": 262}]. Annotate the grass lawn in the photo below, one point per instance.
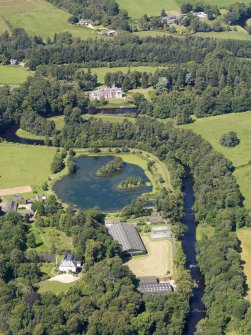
[
  {"x": 240, "y": 34},
  {"x": 54, "y": 287},
  {"x": 47, "y": 268},
  {"x": 27, "y": 135},
  {"x": 101, "y": 71},
  {"x": 118, "y": 103},
  {"x": 59, "y": 121},
  {"x": 24, "y": 164},
  {"x": 212, "y": 128},
  {"x": 46, "y": 237},
  {"x": 110, "y": 118},
  {"x": 201, "y": 229},
  {"x": 157, "y": 262},
  {"x": 39, "y": 17},
  {"x": 13, "y": 75},
  {"x": 244, "y": 234},
  {"x": 234, "y": 35},
  {"x": 137, "y": 8}
]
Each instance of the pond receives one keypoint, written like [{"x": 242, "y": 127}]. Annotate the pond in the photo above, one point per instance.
[{"x": 85, "y": 190}]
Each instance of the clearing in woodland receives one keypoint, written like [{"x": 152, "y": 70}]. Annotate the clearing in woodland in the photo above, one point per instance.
[{"x": 158, "y": 261}]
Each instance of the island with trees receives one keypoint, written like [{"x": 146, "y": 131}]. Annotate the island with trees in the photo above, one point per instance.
[
  {"x": 131, "y": 183},
  {"x": 115, "y": 166}
]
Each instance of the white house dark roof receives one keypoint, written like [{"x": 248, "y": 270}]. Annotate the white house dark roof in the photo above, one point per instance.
[{"x": 128, "y": 236}]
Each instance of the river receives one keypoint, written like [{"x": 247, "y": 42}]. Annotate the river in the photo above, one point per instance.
[{"x": 197, "y": 309}]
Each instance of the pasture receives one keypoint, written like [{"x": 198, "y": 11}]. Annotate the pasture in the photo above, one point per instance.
[
  {"x": 39, "y": 17},
  {"x": 24, "y": 164},
  {"x": 212, "y": 128},
  {"x": 13, "y": 75},
  {"x": 240, "y": 34},
  {"x": 137, "y": 8},
  {"x": 157, "y": 262}
]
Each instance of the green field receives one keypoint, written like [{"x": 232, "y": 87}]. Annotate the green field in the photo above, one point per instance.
[
  {"x": 233, "y": 35},
  {"x": 157, "y": 262},
  {"x": 137, "y": 8},
  {"x": 240, "y": 34},
  {"x": 27, "y": 135},
  {"x": 101, "y": 71},
  {"x": 24, "y": 164},
  {"x": 212, "y": 128},
  {"x": 13, "y": 75},
  {"x": 55, "y": 287},
  {"x": 39, "y": 17}
]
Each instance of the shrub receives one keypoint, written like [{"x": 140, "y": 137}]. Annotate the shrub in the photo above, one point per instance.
[{"x": 229, "y": 140}]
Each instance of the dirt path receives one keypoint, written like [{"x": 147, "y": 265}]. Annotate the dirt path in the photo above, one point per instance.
[{"x": 15, "y": 190}]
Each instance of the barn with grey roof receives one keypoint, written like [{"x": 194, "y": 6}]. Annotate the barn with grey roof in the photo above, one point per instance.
[{"x": 128, "y": 236}]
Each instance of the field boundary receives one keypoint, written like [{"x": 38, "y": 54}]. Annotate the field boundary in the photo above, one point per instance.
[{"x": 15, "y": 190}]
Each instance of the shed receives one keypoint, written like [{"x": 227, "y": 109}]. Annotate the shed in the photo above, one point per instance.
[
  {"x": 128, "y": 236},
  {"x": 161, "y": 232}
]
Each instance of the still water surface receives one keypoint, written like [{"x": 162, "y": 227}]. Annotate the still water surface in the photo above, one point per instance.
[{"x": 85, "y": 190}]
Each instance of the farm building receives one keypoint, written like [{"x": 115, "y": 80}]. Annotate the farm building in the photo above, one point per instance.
[
  {"x": 68, "y": 264},
  {"x": 150, "y": 285},
  {"x": 128, "y": 236},
  {"x": 19, "y": 200},
  {"x": 86, "y": 22},
  {"x": 161, "y": 233},
  {"x": 107, "y": 93},
  {"x": 10, "y": 206}
]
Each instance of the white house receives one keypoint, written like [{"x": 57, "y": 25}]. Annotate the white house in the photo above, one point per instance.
[
  {"x": 69, "y": 265},
  {"x": 107, "y": 93},
  {"x": 201, "y": 15}
]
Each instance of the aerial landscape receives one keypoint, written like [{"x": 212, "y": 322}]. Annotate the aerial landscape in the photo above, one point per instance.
[{"x": 125, "y": 167}]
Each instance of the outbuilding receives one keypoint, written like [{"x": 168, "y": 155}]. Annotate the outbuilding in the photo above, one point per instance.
[
  {"x": 161, "y": 232},
  {"x": 128, "y": 236}
]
